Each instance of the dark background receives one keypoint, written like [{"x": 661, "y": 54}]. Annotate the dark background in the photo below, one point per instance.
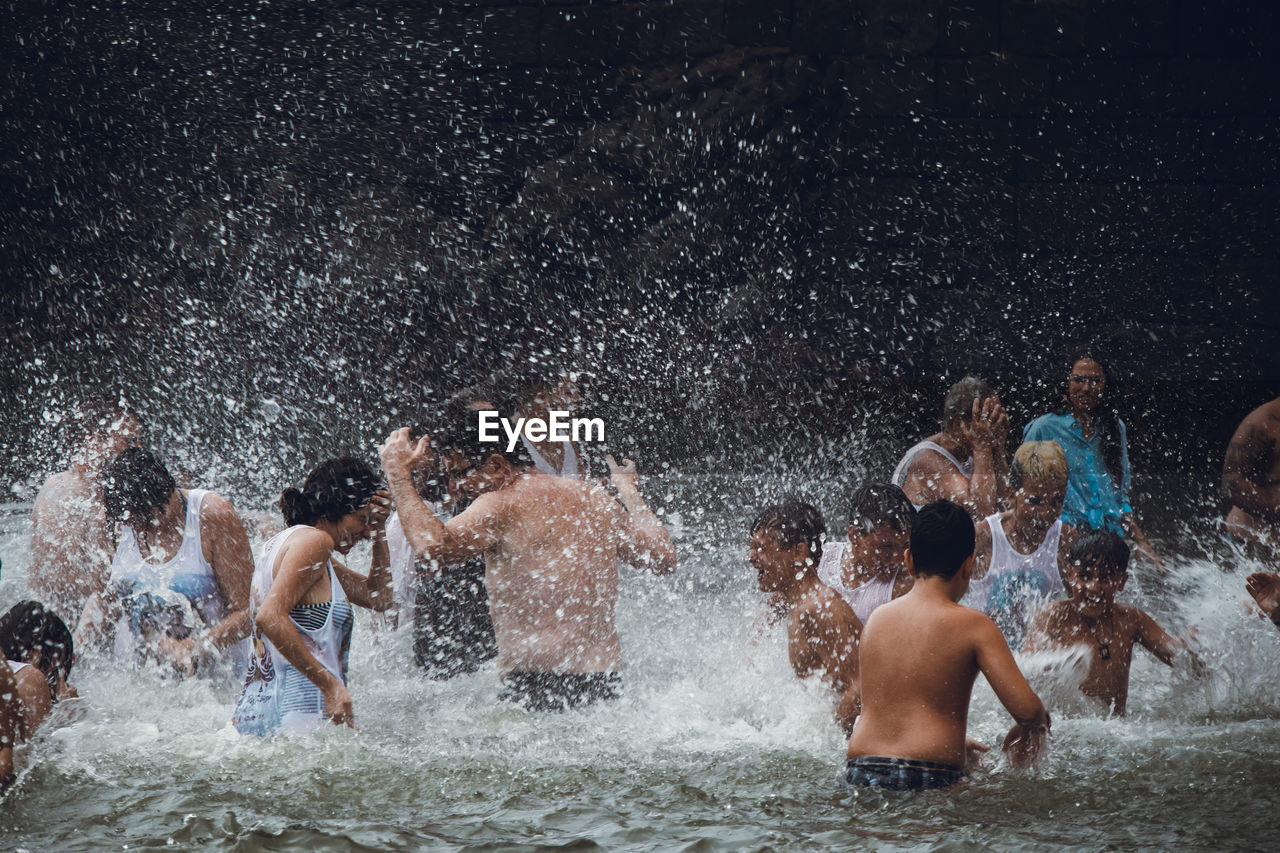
[{"x": 767, "y": 227}]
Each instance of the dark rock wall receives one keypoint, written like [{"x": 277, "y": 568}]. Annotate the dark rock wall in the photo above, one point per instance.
[{"x": 761, "y": 220}]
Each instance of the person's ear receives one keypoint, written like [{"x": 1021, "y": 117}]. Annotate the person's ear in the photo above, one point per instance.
[
  {"x": 966, "y": 568},
  {"x": 909, "y": 562}
]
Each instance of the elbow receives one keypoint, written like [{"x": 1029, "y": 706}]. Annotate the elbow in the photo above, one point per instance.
[{"x": 663, "y": 560}]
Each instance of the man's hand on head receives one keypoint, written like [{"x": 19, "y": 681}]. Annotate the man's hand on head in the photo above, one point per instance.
[
  {"x": 401, "y": 455},
  {"x": 624, "y": 475}
]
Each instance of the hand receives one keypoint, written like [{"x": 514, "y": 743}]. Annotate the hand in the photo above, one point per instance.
[
  {"x": 624, "y": 475},
  {"x": 1024, "y": 744},
  {"x": 1265, "y": 589},
  {"x": 400, "y": 455},
  {"x": 181, "y": 654},
  {"x": 974, "y": 749},
  {"x": 379, "y": 510},
  {"x": 988, "y": 424},
  {"x": 337, "y": 705}
]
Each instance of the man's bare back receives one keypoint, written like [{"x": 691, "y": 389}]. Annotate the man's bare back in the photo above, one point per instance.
[
  {"x": 69, "y": 549},
  {"x": 1251, "y": 477}
]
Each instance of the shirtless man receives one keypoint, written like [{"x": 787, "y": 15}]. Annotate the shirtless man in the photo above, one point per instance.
[
  {"x": 1251, "y": 479},
  {"x": 919, "y": 658},
  {"x": 70, "y": 545},
  {"x": 552, "y": 547},
  {"x": 822, "y": 631},
  {"x": 1092, "y": 618},
  {"x": 1020, "y": 554},
  {"x": 538, "y": 399},
  {"x": 965, "y": 462}
]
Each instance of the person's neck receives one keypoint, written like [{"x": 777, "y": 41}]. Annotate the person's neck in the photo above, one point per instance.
[
  {"x": 954, "y": 444},
  {"x": 936, "y": 589},
  {"x": 803, "y": 587},
  {"x": 855, "y": 574},
  {"x": 1085, "y": 418},
  {"x": 1021, "y": 535}
]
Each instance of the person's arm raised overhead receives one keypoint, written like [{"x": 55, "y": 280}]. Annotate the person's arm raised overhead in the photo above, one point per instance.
[
  {"x": 645, "y": 541},
  {"x": 375, "y": 592},
  {"x": 987, "y": 428},
  {"x": 1026, "y": 739}
]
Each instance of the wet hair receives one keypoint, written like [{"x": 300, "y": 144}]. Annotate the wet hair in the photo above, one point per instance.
[
  {"x": 134, "y": 485},
  {"x": 878, "y": 504},
  {"x": 941, "y": 539},
  {"x": 793, "y": 521},
  {"x": 336, "y": 487},
  {"x": 28, "y": 626},
  {"x": 958, "y": 404},
  {"x": 1103, "y": 550},
  {"x": 1106, "y": 418},
  {"x": 460, "y": 432},
  {"x": 1038, "y": 459}
]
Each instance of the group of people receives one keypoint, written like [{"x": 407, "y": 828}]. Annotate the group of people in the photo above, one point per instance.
[{"x": 512, "y": 551}]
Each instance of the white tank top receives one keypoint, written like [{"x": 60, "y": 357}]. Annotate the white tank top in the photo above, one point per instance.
[
  {"x": 863, "y": 599},
  {"x": 276, "y": 695},
  {"x": 904, "y": 466},
  {"x": 568, "y": 466},
  {"x": 187, "y": 574},
  {"x": 1015, "y": 583},
  {"x": 403, "y": 563},
  {"x": 16, "y": 666}
]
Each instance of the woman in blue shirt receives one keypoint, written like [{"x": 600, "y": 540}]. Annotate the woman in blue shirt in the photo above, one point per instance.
[{"x": 1097, "y": 449}]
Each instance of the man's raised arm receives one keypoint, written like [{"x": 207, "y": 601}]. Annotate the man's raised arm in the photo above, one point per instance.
[{"x": 648, "y": 544}]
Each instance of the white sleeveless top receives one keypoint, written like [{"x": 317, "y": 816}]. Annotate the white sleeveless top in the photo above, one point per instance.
[
  {"x": 568, "y": 466},
  {"x": 403, "y": 563},
  {"x": 16, "y": 666},
  {"x": 1016, "y": 584},
  {"x": 863, "y": 599},
  {"x": 183, "y": 583},
  {"x": 276, "y": 695},
  {"x": 900, "y": 473}
]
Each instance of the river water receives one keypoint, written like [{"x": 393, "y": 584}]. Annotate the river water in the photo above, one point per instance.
[{"x": 715, "y": 745}]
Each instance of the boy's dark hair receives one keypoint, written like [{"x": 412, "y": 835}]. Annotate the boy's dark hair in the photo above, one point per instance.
[
  {"x": 28, "y": 626},
  {"x": 794, "y": 521},
  {"x": 460, "y": 432},
  {"x": 958, "y": 404},
  {"x": 1102, "y": 550},
  {"x": 335, "y": 488},
  {"x": 878, "y": 504},
  {"x": 134, "y": 484},
  {"x": 941, "y": 539}
]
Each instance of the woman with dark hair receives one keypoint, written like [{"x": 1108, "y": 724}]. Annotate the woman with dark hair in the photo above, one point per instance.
[
  {"x": 178, "y": 591},
  {"x": 1093, "y": 437},
  {"x": 39, "y": 650},
  {"x": 302, "y": 598}
]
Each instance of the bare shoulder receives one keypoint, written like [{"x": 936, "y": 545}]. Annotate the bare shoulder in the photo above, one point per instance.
[
  {"x": 308, "y": 545},
  {"x": 1130, "y": 618},
  {"x": 217, "y": 509},
  {"x": 55, "y": 487}
]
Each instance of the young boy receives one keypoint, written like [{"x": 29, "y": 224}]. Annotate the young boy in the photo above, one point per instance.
[
  {"x": 1099, "y": 562},
  {"x": 868, "y": 572},
  {"x": 920, "y": 655},
  {"x": 822, "y": 632}
]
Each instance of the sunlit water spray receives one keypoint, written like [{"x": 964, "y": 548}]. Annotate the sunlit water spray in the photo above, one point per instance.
[{"x": 714, "y": 745}]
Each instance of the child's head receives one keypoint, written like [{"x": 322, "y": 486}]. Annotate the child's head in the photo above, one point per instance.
[
  {"x": 786, "y": 542},
  {"x": 941, "y": 541},
  {"x": 29, "y": 633},
  {"x": 1098, "y": 567},
  {"x": 880, "y": 519},
  {"x": 1039, "y": 479}
]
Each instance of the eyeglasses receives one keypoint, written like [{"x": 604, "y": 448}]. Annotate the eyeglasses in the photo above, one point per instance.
[{"x": 1086, "y": 380}]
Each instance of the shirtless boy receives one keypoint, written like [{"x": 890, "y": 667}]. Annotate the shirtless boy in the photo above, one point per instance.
[
  {"x": 551, "y": 547},
  {"x": 1251, "y": 479},
  {"x": 1099, "y": 570},
  {"x": 919, "y": 658},
  {"x": 822, "y": 632},
  {"x": 70, "y": 546},
  {"x": 1019, "y": 553},
  {"x": 965, "y": 462}
]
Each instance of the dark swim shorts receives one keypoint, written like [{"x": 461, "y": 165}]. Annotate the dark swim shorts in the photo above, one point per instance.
[
  {"x": 900, "y": 774},
  {"x": 559, "y": 691}
]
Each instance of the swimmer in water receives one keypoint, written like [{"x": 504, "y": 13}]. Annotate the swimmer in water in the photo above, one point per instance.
[
  {"x": 551, "y": 547},
  {"x": 1251, "y": 480},
  {"x": 920, "y": 655},
  {"x": 822, "y": 630},
  {"x": 303, "y": 597},
  {"x": 869, "y": 571},
  {"x": 70, "y": 544},
  {"x": 965, "y": 462},
  {"x": 1020, "y": 553},
  {"x": 178, "y": 591},
  {"x": 1091, "y": 617},
  {"x": 39, "y": 652}
]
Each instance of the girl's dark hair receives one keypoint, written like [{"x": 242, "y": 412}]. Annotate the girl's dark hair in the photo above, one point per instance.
[
  {"x": 334, "y": 489},
  {"x": 28, "y": 627},
  {"x": 877, "y": 504},
  {"x": 1106, "y": 418},
  {"x": 794, "y": 521},
  {"x": 134, "y": 484}
]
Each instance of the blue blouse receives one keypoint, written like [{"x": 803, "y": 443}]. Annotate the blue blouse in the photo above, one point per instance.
[{"x": 1093, "y": 497}]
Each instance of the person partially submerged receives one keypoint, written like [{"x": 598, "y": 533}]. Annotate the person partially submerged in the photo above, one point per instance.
[
  {"x": 551, "y": 547},
  {"x": 822, "y": 630},
  {"x": 920, "y": 655},
  {"x": 1099, "y": 569},
  {"x": 39, "y": 653}
]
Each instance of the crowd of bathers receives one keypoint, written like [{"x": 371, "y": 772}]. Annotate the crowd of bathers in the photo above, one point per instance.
[{"x": 510, "y": 552}]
